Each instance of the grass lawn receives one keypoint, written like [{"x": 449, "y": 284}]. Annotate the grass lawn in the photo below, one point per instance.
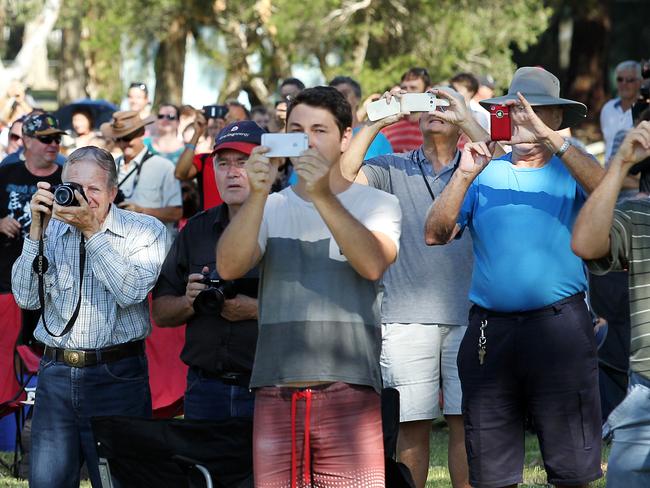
[{"x": 534, "y": 474}]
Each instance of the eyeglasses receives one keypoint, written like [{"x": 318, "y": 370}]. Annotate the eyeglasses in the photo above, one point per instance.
[
  {"x": 166, "y": 116},
  {"x": 620, "y": 79},
  {"x": 49, "y": 139}
]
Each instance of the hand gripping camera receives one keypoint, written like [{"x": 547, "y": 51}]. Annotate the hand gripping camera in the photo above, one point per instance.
[{"x": 210, "y": 301}]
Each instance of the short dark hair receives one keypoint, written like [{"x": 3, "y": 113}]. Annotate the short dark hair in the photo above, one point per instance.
[
  {"x": 346, "y": 80},
  {"x": 293, "y": 81},
  {"x": 330, "y": 99},
  {"x": 418, "y": 73},
  {"x": 259, "y": 109},
  {"x": 235, "y": 103},
  {"x": 140, "y": 85},
  {"x": 468, "y": 80}
]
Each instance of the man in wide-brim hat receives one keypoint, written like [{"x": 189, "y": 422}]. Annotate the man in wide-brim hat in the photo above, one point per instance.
[
  {"x": 146, "y": 179},
  {"x": 529, "y": 347}
]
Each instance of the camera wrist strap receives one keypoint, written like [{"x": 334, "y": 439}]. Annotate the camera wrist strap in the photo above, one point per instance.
[{"x": 40, "y": 267}]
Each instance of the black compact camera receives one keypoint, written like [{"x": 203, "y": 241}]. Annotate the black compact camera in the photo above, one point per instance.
[
  {"x": 119, "y": 197},
  {"x": 215, "y": 111},
  {"x": 210, "y": 301},
  {"x": 64, "y": 194}
]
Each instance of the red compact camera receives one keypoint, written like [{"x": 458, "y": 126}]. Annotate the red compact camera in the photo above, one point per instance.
[{"x": 500, "y": 125}]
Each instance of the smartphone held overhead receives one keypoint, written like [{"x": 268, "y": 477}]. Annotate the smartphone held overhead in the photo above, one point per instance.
[
  {"x": 410, "y": 102},
  {"x": 285, "y": 145}
]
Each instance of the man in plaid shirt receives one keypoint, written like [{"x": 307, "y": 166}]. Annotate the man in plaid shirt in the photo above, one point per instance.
[{"x": 93, "y": 322}]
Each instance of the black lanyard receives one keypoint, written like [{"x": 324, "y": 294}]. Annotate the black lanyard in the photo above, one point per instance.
[
  {"x": 424, "y": 177},
  {"x": 136, "y": 170}
]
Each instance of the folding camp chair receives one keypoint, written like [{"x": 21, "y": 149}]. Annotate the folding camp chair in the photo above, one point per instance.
[
  {"x": 142, "y": 453},
  {"x": 18, "y": 366}
]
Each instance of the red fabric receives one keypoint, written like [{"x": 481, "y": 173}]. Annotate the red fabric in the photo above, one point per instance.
[
  {"x": 10, "y": 321},
  {"x": 404, "y": 135},
  {"x": 29, "y": 358},
  {"x": 167, "y": 373},
  {"x": 295, "y": 396},
  {"x": 211, "y": 197}
]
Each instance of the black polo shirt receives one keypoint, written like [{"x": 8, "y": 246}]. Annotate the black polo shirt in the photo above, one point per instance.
[{"x": 212, "y": 343}]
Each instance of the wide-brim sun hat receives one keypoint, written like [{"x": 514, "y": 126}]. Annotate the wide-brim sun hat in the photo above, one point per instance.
[
  {"x": 540, "y": 88},
  {"x": 124, "y": 123}
]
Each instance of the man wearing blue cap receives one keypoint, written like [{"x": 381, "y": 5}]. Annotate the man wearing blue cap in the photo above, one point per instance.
[{"x": 219, "y": 347}]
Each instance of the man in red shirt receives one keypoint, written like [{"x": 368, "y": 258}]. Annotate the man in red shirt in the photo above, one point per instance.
[{"x": 405, "y": 135}]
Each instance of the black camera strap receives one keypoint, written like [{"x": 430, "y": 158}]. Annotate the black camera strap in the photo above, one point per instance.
[
  {"x": 424, "y": 177},
  {"x": 136, "y": 170},
  {"x": 40, "y": 266}
]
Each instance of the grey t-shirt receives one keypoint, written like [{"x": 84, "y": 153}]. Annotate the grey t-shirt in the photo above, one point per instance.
[
  {"x": 318, "y": 318},
  {"x": 427, "y": 284}
]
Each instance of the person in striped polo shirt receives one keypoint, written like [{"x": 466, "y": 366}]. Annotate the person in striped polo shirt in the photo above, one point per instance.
[{"x": 615, "y": 239}]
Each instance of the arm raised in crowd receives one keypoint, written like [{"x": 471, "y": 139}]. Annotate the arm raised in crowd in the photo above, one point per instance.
[
  {"x": 185, "y": 169},
  {"x": 441, "y": 224},
  {"x": 238, "y": 249},
  {"x": 369, "y": 253},
  {"x": 591, "y": 230}
]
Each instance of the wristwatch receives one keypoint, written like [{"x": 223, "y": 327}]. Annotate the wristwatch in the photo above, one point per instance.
[{"x": 563, "y": 148}]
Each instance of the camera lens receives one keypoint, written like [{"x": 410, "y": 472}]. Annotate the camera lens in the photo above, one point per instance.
[{"x": 64, "y": 196}]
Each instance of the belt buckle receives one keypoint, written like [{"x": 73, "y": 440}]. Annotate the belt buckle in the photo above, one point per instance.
[{"x": 76, "y": 359}]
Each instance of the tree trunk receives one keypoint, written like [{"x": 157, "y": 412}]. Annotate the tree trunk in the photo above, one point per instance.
[
  {"x": 589, "y": 46},
  {"x": 170, "y": 63},
  {"x": 72, "y": 74},
  {"x": 34, "y": 45}
]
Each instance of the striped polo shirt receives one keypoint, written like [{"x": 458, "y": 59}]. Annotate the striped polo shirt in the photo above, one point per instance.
[{"x": 630, "y": 249}]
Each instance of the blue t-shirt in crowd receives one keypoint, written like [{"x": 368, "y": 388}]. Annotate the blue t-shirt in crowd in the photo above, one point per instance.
[
  {"x": 378, "y": 147},
  {"x": 521, "y": 221}
]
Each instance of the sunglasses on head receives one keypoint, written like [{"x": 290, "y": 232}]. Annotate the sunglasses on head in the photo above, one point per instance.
[
  {"x": 621, "y": 79},
  {"x": 166, "y": 116},
  {"x": 49, "y": 139}
]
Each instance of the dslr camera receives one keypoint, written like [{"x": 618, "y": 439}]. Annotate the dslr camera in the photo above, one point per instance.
[
  {"x": 64, "y": 194},
  {"x": 210, "y": 301}
]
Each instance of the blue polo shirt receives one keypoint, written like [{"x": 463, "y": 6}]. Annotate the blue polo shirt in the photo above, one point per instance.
[{"x": 521, "y": 221}]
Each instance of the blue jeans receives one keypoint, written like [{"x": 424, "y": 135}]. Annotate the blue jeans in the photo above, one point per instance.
[
  {"x": 629, "y": 460},
  {"x": 212, "y": 399},
  {"x": 66, "y": 399}
]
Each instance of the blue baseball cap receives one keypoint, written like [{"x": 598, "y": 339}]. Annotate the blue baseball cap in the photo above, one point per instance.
[{"x": 242, "y": 136}]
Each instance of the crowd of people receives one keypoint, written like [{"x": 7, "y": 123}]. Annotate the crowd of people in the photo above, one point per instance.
[{"x": 411, "y": 252}]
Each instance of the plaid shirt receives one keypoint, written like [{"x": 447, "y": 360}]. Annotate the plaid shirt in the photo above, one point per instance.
[{"x": 123, "y": 261}]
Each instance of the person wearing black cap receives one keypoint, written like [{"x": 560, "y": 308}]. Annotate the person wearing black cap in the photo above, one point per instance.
[
  {"x": 41, "y": 135},
  {"x": 529, "y": 348},
  {"x": 219, "y": 346}
]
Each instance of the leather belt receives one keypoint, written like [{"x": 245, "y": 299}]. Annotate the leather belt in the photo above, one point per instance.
[
  {"x": 226, "y": 377},
  {"x": 80, "y": 358}
]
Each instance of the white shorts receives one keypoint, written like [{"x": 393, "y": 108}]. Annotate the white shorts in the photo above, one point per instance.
[{"x": 414, "y": 359}]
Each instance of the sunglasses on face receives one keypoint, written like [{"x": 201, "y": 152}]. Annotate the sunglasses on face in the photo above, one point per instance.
[
  {"x": 166, "y": 116},
  {"x": 620, "y": 79},
  {"x": 49, "y": 139},
  {"x": 128, "y": 137}
]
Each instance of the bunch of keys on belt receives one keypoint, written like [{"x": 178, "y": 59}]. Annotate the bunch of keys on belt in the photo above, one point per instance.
[{"x": 482, "y": 340}]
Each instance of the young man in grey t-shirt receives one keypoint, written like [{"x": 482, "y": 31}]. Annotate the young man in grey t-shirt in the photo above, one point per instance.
[
  {"x": 425, "y": 306},
  {"x": 322, "y": 245}
]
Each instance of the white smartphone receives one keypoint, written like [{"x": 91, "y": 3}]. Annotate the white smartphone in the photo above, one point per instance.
[
  {"x": 380, "y": 109},
  {"x": 285, "y": 145},
  {"x": 422, "y": 102}
]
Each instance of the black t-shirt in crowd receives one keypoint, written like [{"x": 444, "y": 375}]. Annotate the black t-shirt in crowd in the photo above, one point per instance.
[
  {"x": 212, "y": 343},
  {"x": 17, "y": 185}
]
